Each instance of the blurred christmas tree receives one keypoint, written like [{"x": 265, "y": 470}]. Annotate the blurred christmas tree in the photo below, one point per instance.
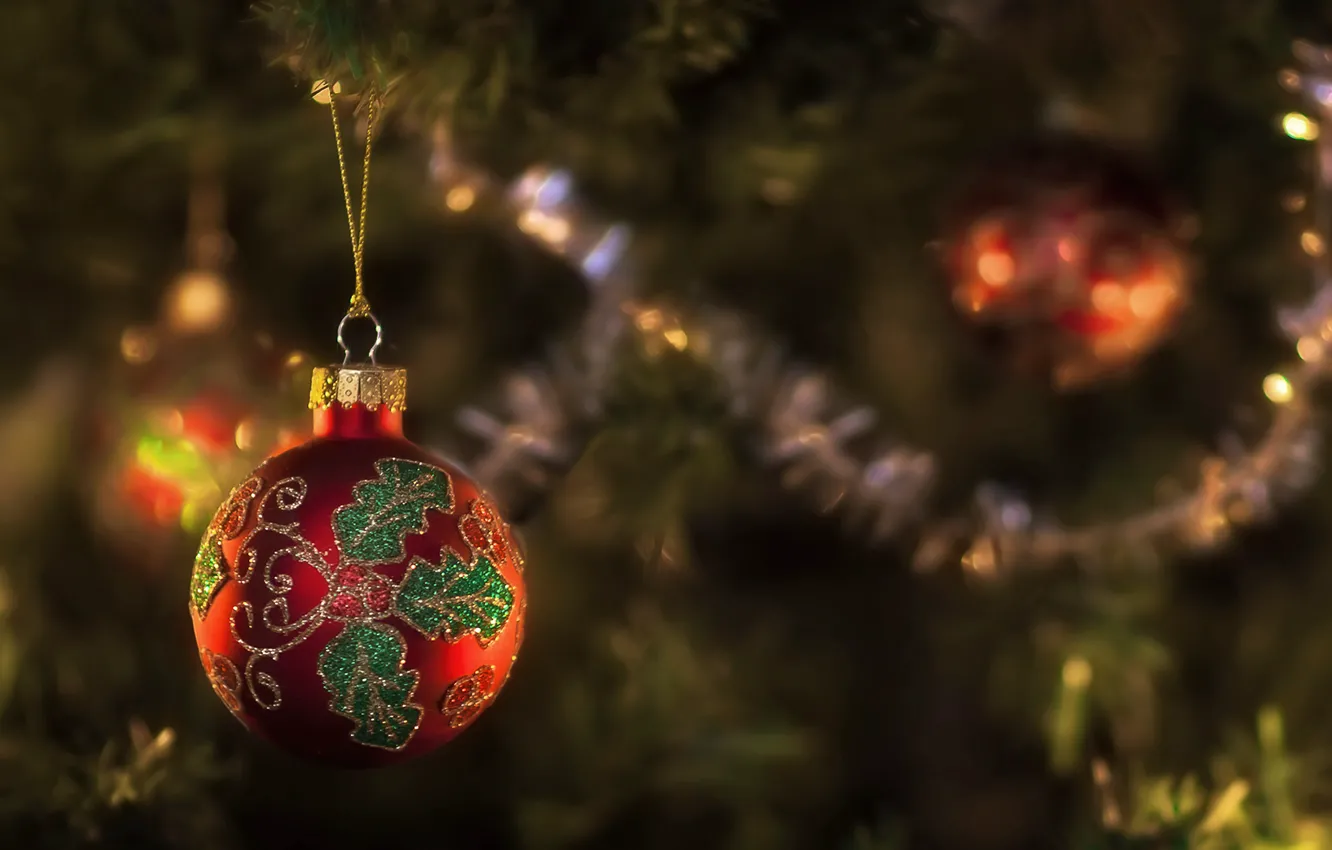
[{"x": 708, "y": 662}]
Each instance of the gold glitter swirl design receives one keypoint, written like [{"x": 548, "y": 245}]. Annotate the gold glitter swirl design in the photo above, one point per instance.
[
  {"x": 285, "y": 496},
  {"x": 362, "y": 667},
  {"x": 371, "y": 386}
]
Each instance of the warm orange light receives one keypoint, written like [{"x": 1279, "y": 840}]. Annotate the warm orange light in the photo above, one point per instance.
[
  {"x": 677, "y": 338},
  {"x": 198, "y": 301},
  {"x": 648, "y": 320},
  {"x": 1149, "y": 301},
  {"x": 996, "y": 267},
  {"x": 245, "y": 435},
  {"x": 322, "y": 92},
  {"x": 1109, "y": 297},
  {"x": 137, "y": 345},
  {"x": 1312, "y": 243},
  {"x": 1068, "y": 249},
  {"x": 1299, "y": 127},
  {"x": 460, "y": 198},
  {"x": 1077, "y": 673},
  {"x": 1278, "y": 389},
  {"x": 1309, "y": 349},
  {"x": 530, "y": 221},
  {"x": 555, "y": 231}
]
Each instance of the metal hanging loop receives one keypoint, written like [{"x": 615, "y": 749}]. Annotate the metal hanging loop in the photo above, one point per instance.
[{"x": 374, "y": 349}]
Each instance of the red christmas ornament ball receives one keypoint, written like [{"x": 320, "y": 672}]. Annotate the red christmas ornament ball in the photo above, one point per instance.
[
  {"x": 1074, "y": 252},
  {"x": 358, "y": 601}
]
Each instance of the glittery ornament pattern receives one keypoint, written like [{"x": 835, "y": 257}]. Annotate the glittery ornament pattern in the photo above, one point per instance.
[
  {"x": 210, "y": 568},
  {"x": 456, "y": 599},
  {"x": 371, "y": 530},
  {"x": 286, "y": 496},
  {"x": 342, "y": 386},
  {"x": 362, "y": 667},
  {"x": 487, "y": 534},
  {"x": 362, "y": 671},
  {"x": 209, "y": 571},
  {"x": 359, "y": 593},
  {"x": 230, "y": 520},
  {"x": 376, "y": 615},
  {"x": 466, "y": 697},
  {"x": 225, "y": 679}
]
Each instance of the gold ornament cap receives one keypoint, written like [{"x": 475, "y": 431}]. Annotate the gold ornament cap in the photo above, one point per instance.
[{"x": 359, "y": 383}]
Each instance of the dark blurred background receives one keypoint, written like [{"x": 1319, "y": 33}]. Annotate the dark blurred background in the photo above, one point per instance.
[{"x": 711, "y": 661}]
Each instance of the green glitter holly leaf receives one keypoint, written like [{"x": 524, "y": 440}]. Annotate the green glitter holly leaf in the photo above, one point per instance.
[
  {"x": 371, "y": 530},
  {"x": 362, "y": 672},
  {"x": 210, "y": 569},
  {"x": 456, "y": 599}
]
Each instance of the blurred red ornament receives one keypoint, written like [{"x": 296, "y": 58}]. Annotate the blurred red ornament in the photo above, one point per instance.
[
  {"x": 189, "y": 419},
  {"x": 1074, "y": 253},
  {"x": 356, "y": 600},
  {"x": 152, "y": 495},
  {"x": 210, "y": 422}
]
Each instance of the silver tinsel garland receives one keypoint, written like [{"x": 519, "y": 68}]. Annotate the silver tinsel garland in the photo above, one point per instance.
[{"x": 806, "y": 429}]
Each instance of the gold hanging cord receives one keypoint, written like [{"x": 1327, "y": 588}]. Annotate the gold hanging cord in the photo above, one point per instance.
[{"x": 360, "y": 307}]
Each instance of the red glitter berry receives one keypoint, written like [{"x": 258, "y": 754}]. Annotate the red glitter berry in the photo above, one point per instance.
[
  {"x": 467, "y": 697},
  {"x": 484, "y": 532},
  {"x": 499, "y": 546},
  {"x": 485, "y": 679},
  {"x": 346, "y": 606},
  {"x": 378, "y": 600},
  {"x": 474, "y": 533},
  {"x": 350, "y": 576},
  {"x": 482, "y": 509}
]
